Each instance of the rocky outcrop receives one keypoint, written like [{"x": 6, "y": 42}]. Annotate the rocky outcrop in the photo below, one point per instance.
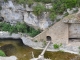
[
  {"x": 8, "y": 58},
  {"x": 8, "y": 35},
  {"x": 13, "y": 13},
  {"x": 25, "y": 39},
  {"x": 10, "y": 13},
  {"x": 32, "y": 20},
  {"x": 28, "y": 41}
]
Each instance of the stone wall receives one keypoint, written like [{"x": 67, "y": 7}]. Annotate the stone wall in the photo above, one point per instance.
[
  {"x": 74, "y": 30},
  {"x": 58, "y": 32},
  {"x": 41, "y": 36}
]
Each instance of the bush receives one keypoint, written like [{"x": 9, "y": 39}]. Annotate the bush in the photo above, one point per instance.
[
  {"x": 19, "y": 27},
  {"x": 2, "y": 53},
  {"x": 57, "y": 46},
  {"x": 39, "y": 9},
  {"x": 37, "y": 0},
  {"x": 21, "y": 1},
  {"x": 5, "y": 26},
  {"x": 47, "y": 1},
  {"x": 59, "y": 6},
  {"x": 44, "y": 1},
  {"x": 32, "y": 32},
  {"x": 30, "y": 2},
  {"x": 52, "y": 16},
  {"x": 78, "y": 3}
]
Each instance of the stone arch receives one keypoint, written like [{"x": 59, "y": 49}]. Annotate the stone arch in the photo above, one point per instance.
[{"x": 48, "y": 38}]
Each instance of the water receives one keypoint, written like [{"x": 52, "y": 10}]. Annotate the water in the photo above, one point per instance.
[{"x": 22, "y": 52}]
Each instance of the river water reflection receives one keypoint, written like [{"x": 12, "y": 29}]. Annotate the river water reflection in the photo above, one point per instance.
[{"x": 22, "y": 52}]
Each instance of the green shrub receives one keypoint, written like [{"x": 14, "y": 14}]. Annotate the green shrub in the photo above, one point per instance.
[
  {"x": 30, "y": 2},
  {"x": 44, "y": 1},
  {"x": 38, "y": 0},
  {"x": 78, "y": 3},
  {"x": 52, "y": 16},
  {"x": 21, "y": 1},
  {"x": 38, "y": 9},
  {"x": 19, "y": 27},
  {"x": 5, "y": 26},
  {"x": 47, "y": 1},
  {"x": 59, "y": 6},
  {"x": 57, "y": 46},
  {"x": 35, "y": 41},
  {"x": 32, "y": 32},
  {"x": 2, "y": 53}
]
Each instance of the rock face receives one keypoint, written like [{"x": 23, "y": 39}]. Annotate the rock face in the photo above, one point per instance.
[
  {"x": 10, "y": 13},
  {"x": 13, "y": 13},
  {"x": 7, "y": 35},
  {"x": 8, "y": 58},
  {"x": 30, "y": 19},
  {"x": 41, "y": 23}
]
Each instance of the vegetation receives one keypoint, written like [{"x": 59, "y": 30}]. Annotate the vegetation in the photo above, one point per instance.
[
  {"x": 5, "y": 0},
  {"x": 24, "y": 2},
  {"x": 59, "y": 6},
  {"x": 44, "y": 43},
  {"x": 29, "y": 2},
  {"x": 35, "y": 41},
  {"x": 2, "y": 53},
  {"x": 19, "y": 27},
  {"x": 60, "y": 51},
  {"x": 21, "y": 1},
  {"x": 44, "y": 1},
  {"x": 39, "y": 9},
  {"x": 57, "y": 46},
  {"x": 52, "y": 16}
]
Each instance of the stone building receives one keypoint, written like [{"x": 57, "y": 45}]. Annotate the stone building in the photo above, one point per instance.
[{"x": 65, "y": 31}]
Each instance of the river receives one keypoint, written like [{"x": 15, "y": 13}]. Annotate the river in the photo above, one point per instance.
[{"x": 22, "y": 52}]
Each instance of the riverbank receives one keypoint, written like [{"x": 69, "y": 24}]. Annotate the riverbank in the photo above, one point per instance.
[{"x": 39, "y": 45}]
